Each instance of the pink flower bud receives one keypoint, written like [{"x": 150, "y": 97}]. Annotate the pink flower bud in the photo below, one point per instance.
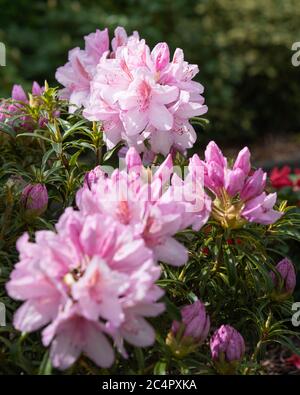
[
  {"x": 254, "y": 185},
  {"x": 185, "y": 336},
  {"x": 243, "y": 161},
  {"x": 18, "y": 93},
  {"x": 195, "y": 320},
  {"x": 227, "y": 345},
  {"x": 161, "y": 56},
  {"x": 34, "y": 199},
  {"x": 286, "y": 283},
  {"x": 234, "y": 180},
  {"x": 37, "y": 90},
  {"x": 214, "y": 177},
  {"x": 214, "y": 154}
]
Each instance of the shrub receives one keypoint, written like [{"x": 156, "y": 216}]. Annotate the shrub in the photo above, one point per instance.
[{"x": 174, "y": 271}]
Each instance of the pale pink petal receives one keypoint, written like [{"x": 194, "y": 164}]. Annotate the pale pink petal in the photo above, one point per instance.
[
  {"x": 172, "y": 252},
  {"x": 139, "y": 333},
  {"x": 98, "y": 348},
  {"x": 160, "y": 117},
  {"x": 134, "y": 121}
]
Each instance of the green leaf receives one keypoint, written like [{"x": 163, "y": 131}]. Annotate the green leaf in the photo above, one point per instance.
[
  {"x": 73, "y": 128},
  {"x": 45, "y": 366},
  {"x": 46, "y": 156},
  {"x": 7, "y": 129},
  {"x": 200, "y": 121},
  {"x": 87, "y": 145},
  {"x": 34, "y": 135},
  {"x": 139, "y": 356},
  {"x": 57, "y": 148},
  {"x": 74, "y": 157},
  {"x": 160, "y": 368},
  {"x": 172, "y": 309},
  {"x": 110, "y": 153}
]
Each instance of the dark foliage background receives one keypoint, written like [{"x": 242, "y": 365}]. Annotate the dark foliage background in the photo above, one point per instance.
[{"x": 243, "y": 49}]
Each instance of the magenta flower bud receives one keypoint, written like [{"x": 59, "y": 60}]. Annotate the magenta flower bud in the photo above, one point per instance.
[
  {"x": 214, "y": 154},
  {"x": 34, "y": 199},
  {"x": 234, "y": 181},
  {"x": 18, "y": 93},
  {"x": 195, "y": 320},
  {"x": 185, "y": 336},
  {"x": 227, "y": 348},
  {"x": 93, "y": 176},
  {"x": 161, "y": 56},
  {"x": 37, "y": 90},
  {"x": 285, "y": 283},
  {"x": 243, "y": 161},
  {"x": 214, "y": 177},
  {"x": 254, "y": 185}
]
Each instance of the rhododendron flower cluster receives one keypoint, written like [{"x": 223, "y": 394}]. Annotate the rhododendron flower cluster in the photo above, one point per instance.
[
  {"x": 12, "y": 110},
  {"x": 139, "y": 95},
  {"x": 89, "y": 280},
  {"x": 239, "y": 191},
  {"x": 141, "y": 201}
]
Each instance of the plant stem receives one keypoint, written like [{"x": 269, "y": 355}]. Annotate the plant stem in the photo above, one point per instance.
[
  {"x": 219, "y": 260},
  {"x": 99, "y": 155},
  {"x": 254, "y": 356}
]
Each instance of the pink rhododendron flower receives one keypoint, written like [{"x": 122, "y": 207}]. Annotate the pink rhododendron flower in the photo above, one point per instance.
[
  {"x": 239, "y": 195},
  {"x": 190, "y": 191},
  {"x": 77, "y": 74},
  {"x": 90, "y": 280},
  {"x": 136, "y": 93},
  {"x": 260, "y": 209},
  {"x": 144, "y": 103},
  {"x": 146, "y": 204}
]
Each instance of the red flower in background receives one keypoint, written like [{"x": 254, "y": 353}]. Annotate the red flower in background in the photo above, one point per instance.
[
  {"x": 294, "y": 360},
  {"x": 280, "y": 178}
]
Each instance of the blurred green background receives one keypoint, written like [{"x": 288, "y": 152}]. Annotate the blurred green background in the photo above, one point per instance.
[{"x": 243, "y": 48}]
